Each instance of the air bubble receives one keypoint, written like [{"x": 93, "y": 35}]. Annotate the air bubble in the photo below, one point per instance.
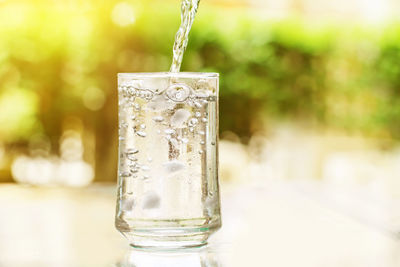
[
  {"x": 197, "y": 104},
  {"x": 201, "y": 132},
  {"x": 213, "y": 143},
  {"x": 142, "y": 126},
  {"x": 185, "y": 140},
  {"x": 178, "y": 92},
  {"x": 169, "y": 131},
  {"x": 204, "y": 119},
  {"x": 145, "y": 168},
  {"x": 202, "y": 142},
  {"x": 197, "y": 114},
  {"x": 141, "y": 133},
  {"x": 158, "y": 119},
  {"x": 193, "y": 122}
]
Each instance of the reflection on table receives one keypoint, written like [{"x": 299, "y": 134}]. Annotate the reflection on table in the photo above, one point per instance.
[{"x": 197, "y": 257}]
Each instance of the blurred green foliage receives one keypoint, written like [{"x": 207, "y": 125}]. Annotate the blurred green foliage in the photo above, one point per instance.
[{"x": 60, "y": 59}]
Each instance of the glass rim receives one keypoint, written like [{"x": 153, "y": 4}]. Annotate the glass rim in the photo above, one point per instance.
[{"x": 168, "y": 74}]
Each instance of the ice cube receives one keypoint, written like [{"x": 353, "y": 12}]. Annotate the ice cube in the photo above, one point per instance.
[
  {"x": 179, "y": 118},
  {"x": 151, "y": 201},
  {"x": 159, "y": 103},
  {"x": 127, "y": 204}
]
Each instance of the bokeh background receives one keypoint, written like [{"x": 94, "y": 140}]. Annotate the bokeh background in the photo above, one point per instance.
[
  {"x": 314, "y": 74},
  {"x": 309, "y": 91}
]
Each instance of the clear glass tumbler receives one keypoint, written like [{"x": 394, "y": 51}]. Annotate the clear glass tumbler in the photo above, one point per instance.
[{"x": 168, "y": 193}]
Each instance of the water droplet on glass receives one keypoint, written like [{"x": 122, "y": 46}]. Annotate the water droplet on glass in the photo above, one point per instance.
[
  {"x": 133, "y": 117},
  {"x": 124, "y": 174},
  {"x": 202, "y": 143},
  {"x": 134, "y": 168},
  {"x": 191, "y": 129},
  {"x": 201, "y": 152},
  {"x": 131, "y": 158},
  {"x": 143, "y": 126},
  {"x": 197, "y": 114},
  {"x": 141, "y": 133},
  {"x": 131, "y": 151},
  {"x": 204, "y": 119},
  {"x": 179, "y": 118},
  {"x": 158, "y": 118}
]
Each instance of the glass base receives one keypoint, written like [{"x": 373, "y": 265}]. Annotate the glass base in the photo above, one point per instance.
[
  {"x": 168, "y": 235},
  {"x": 152, "y": 241}
]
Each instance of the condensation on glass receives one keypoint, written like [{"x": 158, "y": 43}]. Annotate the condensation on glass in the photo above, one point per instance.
[{"x": 168, "y": 194}]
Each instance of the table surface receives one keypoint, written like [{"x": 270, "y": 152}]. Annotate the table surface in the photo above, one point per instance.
[{"x": 264, "y": 224}]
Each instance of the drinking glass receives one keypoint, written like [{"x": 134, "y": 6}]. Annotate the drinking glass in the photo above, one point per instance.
[{"x": 168, "y": 192}]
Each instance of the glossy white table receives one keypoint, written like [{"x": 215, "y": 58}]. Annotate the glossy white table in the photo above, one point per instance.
[{"x": 264, "y": 224}]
